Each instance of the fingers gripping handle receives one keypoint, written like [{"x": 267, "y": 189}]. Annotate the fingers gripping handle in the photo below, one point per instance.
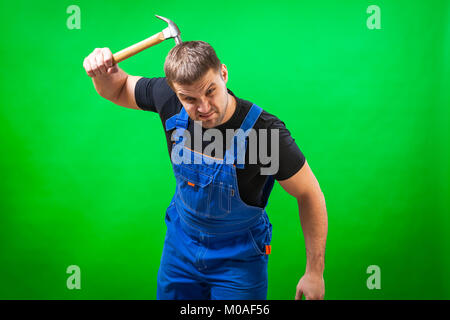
[{"x": 138, "y": 47}]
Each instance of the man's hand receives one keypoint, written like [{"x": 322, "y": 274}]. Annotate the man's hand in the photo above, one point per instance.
[
  {"x": 100, "y": 62},
  {"x": 312, "y": 286},
  {"x": 110, "y": 81}
]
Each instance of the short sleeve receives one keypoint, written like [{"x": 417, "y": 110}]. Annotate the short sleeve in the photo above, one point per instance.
[
  {"x": 291, "y": 158},
  {"x": 152, "y": 93}
]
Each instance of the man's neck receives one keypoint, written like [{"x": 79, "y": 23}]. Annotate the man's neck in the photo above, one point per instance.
[{"x": 231, "y": 108}]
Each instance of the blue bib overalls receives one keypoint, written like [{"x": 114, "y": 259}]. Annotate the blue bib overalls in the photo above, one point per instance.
[{"x": 216, "y": 246}]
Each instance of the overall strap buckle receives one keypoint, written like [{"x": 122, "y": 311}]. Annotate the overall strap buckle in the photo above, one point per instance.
[{"x": 179, "y": 120}]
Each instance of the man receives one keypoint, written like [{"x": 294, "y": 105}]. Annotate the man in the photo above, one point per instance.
[{"x": 218, "y": 232}]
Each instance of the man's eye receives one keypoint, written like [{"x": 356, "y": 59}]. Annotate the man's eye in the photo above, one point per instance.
[{"x": 210, "y": 91}]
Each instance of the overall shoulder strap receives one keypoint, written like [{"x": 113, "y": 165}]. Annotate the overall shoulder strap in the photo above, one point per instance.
[
  {"x": 236, "y": 152},
  {"x": 179, "y": 120},
  {"x": 251, "y": 117}
]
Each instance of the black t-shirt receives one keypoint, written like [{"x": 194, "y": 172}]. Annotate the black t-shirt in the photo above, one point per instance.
[{"x": 154, "y": 94}]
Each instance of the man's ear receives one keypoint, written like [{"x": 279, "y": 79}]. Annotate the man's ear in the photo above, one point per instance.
[{"x": 224, "y": 73}]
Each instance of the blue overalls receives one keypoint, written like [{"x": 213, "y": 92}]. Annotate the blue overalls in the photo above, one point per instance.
[{"x": 216, "y": 246}]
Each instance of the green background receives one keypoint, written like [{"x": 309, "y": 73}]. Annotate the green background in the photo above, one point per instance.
[{"x": 85, "y": 182}]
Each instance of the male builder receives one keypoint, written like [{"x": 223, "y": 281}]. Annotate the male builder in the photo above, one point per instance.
[{"x": 218, "y": 233}]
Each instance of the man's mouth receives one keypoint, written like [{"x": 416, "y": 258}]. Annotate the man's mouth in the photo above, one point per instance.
[{"x": 205, "y": 116}]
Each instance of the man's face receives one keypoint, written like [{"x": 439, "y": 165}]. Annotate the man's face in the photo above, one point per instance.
[{"x": 207, "y": 99}]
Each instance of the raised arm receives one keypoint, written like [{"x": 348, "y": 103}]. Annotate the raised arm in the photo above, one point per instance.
[{"x": 111, "y": 82}]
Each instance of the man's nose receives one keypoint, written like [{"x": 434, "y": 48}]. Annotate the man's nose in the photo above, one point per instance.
[{"x": 204, "y": 106}]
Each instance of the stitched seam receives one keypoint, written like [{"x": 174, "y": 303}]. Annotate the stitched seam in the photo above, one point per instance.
[
  {"x": 213, "y": 233},
  {"x": 254, "y": 243},
  {"x": 202, "y": 154}
]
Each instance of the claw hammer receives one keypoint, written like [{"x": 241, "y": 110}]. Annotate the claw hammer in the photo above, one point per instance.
[{"x": 171, "y": 31}]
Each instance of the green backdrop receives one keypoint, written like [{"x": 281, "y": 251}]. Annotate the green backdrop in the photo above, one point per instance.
[{"x": 85, "y": 182}]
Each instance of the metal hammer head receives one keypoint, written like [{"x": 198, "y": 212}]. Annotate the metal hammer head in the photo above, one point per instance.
[{"x": 171, "y": 31}]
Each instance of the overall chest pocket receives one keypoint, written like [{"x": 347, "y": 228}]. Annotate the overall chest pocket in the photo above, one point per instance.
[
  {"x": 195, "y": 189},
  {"x": 201, "y": 194}
]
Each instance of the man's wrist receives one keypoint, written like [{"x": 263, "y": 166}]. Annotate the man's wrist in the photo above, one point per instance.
[{"x": 315, "y": 266}]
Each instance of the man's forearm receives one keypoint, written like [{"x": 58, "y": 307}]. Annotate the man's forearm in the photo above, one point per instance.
[
  {"x": 110, "y": 85},
  {"x": 314, "y": 221}
]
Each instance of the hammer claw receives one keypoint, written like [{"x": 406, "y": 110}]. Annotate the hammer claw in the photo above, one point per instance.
[{"x": 171, "y": 31}]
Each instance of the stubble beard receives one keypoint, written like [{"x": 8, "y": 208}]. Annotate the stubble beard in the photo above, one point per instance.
[{"x": 221, "y": 115}]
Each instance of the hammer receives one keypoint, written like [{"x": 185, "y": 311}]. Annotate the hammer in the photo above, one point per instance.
[{"x": 171, "y": 31}]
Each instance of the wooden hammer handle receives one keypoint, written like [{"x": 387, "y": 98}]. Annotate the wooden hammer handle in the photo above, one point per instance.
[{"x": 138, "y": 47}]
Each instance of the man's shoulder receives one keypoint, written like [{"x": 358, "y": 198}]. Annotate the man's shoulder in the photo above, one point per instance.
[
  {"x": 154, "y": 80},
  {"x": 270, "y": 121},
  {"x": 157, "y": 86},
  {"x": 158, "y": 91},
  {"x": 266, "y": 119}
]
